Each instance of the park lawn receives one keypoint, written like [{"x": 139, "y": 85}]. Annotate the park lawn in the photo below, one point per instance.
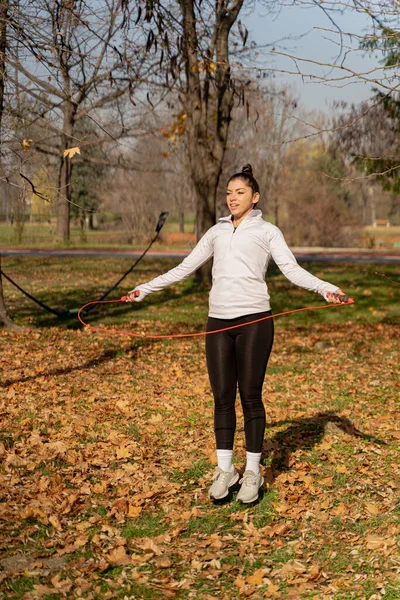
[
  {"x": 107, "y": 445},
  {"x": 42, "y": 235}
]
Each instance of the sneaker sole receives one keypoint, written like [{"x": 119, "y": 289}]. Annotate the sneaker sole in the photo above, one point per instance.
[{"x": 235, "y": 480}]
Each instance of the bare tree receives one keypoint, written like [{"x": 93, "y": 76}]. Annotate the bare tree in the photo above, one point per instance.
[
  {"x": 5, "y": 320},
  {"x": 261, "y": 138},
  {"x": 197, "y": 40},
  {"x": 73, "y": 60}
]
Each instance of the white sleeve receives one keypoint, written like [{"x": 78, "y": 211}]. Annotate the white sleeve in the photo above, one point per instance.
[
  {"x": 199, "y": 255},
  {"x": 287, "y": 263}
]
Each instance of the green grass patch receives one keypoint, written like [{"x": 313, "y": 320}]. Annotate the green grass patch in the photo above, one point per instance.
[{"x": 148, "y": 525}]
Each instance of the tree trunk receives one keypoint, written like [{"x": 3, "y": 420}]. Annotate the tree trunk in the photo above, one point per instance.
[
  {"x": 181, "y": 221},
  {"x": 3, "y": 46},
  {"x": 206, "y": 196},
  {"x": 5, "y": 320},
  {"x": 64, "y": 177},
  {"x": 82, "y": 226},
  {"x": 63, "y": 200}
]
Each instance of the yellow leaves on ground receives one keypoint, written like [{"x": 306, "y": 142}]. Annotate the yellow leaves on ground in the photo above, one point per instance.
[
  {"x": 375, "y": 542},
  {"x": 124, "y": 451},
  {"x": 257, "y": 577},
  {"x": 124, "y": 406},
  {"x": 373, "y": 509},
  {"x": 133, "y": 511},
  {"x": 55, "y": 521},
  {"x": 118, "y": 556},
  {"x": 70, "y": 152}
]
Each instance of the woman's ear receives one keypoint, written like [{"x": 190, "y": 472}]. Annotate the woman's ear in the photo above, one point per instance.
[{"x": 256, "y": 198}]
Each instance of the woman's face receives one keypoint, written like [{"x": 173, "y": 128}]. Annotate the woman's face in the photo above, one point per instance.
[{"x": 240, "y": 198}]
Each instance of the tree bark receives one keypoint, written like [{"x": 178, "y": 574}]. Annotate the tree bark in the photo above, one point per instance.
[
  {"x": 5, "y": 320},
  {"x": 3, "y": 46},
  {"x": 64, "y": 178},
  {"x": 90, "y": 222}
]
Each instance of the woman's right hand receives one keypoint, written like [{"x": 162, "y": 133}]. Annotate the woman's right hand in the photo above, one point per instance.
[
  {"x": 339, "y": 297},
  {"x": 133, "y": 296}
]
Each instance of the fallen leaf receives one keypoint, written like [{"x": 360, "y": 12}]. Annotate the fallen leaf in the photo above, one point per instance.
[
  {"x": 148, "y": 545},
  {"x": 341, "y": 469},
  {"x": 256, "y": 578},
  {"x": 314, "y": 573},
  {"x": 372, "y": 509},
  {"x": 124, "y": 452},
  {"x": 375, "y": 541},
  {"x": 57, "y": 448},
  {"x": 240, "y": 583},
  {"x": 163, "y": 561},
  {"x": 54, "y": 520},
  {"x": 134, "y": 511},
  {"x": 63, "y": 585},
  {"x": 293, "y": 567},
  {"x": 118, "y": 556},
  {"x": 40, "y": 590}
]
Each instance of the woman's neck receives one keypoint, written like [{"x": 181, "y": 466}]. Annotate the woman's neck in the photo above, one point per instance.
[{"x": 236, "y": 222}]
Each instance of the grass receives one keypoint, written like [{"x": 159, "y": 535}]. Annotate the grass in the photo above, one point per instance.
[
  {"x": 108, "y": 444},
  {"x": 150, "y": 525},
  {"x": 186, "y": 303},
  {"x": 43, "y": 235}
]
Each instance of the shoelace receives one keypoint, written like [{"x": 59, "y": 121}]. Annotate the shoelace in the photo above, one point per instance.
[{"x": 249, "y": 480}]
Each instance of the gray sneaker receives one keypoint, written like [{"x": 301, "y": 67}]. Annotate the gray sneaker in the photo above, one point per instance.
[
  {"x": 251, "y": 485},
  {"x": 223, "y": 480}
]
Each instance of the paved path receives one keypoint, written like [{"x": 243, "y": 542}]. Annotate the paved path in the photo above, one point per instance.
[{"x": 302, "y": 254}]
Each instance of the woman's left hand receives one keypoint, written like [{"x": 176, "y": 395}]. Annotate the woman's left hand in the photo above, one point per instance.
[{"x": 336, "y": 297}]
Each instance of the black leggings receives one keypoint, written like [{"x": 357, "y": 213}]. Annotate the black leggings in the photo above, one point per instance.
[{"x": 239, "y": 356}]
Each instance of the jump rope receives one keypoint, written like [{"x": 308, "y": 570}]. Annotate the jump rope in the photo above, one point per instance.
[{"x": 344, "y": 300}]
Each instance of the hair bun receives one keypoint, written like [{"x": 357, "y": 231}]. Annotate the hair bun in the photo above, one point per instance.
[{"x": 248, "y": 170}]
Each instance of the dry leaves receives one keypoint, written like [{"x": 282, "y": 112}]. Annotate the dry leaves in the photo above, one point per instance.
[{"x": 107, "y": 452}]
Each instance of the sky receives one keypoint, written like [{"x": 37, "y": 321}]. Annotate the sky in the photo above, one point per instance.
[{"x": 295, "y": 30}]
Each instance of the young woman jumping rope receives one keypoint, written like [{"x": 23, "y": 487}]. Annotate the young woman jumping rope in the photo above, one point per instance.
[{"x": 241, "y": 244}]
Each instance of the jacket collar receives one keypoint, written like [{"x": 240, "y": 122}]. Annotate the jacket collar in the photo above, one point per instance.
[{"x": 253, "y": 213}]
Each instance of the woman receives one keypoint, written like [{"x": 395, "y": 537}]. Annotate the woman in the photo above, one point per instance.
[{"x": 242, "y": 245}]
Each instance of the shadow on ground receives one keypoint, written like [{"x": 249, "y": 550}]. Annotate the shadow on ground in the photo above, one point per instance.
[
  {"x": 304, "y": 434},
  {"x": 107, "y": 355}
]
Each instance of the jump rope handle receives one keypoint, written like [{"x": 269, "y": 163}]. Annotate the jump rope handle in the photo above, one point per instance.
[
  {"x": 125, "y": 298},
  {"x": 343, "y": 299}
]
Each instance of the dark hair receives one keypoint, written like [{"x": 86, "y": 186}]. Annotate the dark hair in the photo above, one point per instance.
[{"x": 246, "y": 175}]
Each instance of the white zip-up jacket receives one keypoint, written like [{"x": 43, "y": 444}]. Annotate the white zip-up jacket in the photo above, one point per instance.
[{"x": 241, "y": 258}]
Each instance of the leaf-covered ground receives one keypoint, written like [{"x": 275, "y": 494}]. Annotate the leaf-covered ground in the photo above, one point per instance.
[{"x": 107, "y": 448}]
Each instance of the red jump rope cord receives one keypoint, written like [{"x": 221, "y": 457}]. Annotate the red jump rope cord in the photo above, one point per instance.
[{"x": 185, "y": 335}]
